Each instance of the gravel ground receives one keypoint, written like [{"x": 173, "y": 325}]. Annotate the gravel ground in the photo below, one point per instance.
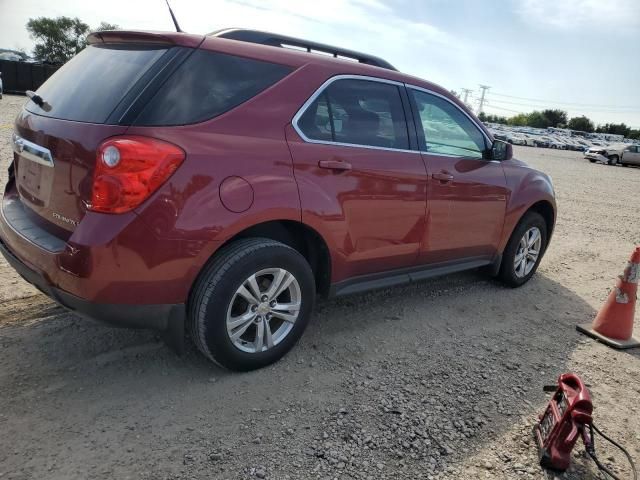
[{"x": 437, "y": 380}]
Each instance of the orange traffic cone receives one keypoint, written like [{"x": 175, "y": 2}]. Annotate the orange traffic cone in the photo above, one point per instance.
[{"x": 614, "y": 323}]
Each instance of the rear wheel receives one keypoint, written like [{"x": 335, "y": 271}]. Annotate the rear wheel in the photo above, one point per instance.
[
  {"x": 613, "y": 159},
  {"x": 251, "y": 304},
  {"x": 524, "y": 251}
]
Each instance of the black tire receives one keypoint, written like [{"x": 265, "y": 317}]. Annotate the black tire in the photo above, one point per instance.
[
  {"x": 507, "y": 269},
  {"x": 613, "y": 159},
  {"x": 592, "y": 160},
  {"x": 216, "y": 287}
]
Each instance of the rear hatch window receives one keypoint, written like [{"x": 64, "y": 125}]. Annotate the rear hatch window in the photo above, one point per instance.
[
  {"x": 105, "y": 89},
  {"x": 91, "y": 85}
]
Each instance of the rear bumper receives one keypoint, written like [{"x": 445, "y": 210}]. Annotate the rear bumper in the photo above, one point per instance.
[{"x": 159, "y": 316}]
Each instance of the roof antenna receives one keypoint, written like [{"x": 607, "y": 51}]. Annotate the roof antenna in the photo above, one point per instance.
[{"x": 175, "y": 22}]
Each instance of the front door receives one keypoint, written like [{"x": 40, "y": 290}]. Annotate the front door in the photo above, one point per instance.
[
  {"x": 467, "y": 194},
  {"x": 360, "y": 185}
]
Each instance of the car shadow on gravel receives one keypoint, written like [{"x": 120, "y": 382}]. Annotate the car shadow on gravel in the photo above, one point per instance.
[{"x": 408, "y": 379}]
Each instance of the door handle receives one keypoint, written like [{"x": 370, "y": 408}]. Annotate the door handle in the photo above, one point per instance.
[
  {"x": 334, "y": 165},
  {"x": 444, "y": 177}
]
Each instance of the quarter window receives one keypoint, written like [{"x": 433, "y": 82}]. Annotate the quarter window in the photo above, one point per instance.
[
  {"x": 208, "y": 84},
  {"x": 357, "y": 112},
  {"x": 446, "y": 130}
]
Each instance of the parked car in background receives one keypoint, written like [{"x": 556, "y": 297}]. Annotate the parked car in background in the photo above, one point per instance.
[
  {"x": 224, "y": 181},
  {"x": 630, "y": 155},
  {"x": 554, "y": 143},
  {"x": 515, "y": 139},
  {"x": 610, "y": 154},
  {"x": 541, "y": 142}
]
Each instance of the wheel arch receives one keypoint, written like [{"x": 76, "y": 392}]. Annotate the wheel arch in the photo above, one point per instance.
[
  {"x": 544, "y": 208},
  {"x": 297, "y": 235}
]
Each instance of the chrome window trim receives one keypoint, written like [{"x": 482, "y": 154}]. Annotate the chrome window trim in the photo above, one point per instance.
[
  {"x": 321, "y": 90},
  {"x": 31, "y": 151}
]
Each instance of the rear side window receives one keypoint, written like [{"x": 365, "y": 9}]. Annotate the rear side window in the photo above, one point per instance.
[
  {"x": 90, "y": 86},
  {"x": 357, "y": 112},
  {"x": 208, "y": 84}
]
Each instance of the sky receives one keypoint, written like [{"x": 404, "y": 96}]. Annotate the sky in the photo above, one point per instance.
[{"x": 577, "y": 55}]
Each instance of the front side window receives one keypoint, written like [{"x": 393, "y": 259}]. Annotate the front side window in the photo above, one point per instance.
[
  {"x": 447, "y": 130},
  {"x": 357, "y": 112}
]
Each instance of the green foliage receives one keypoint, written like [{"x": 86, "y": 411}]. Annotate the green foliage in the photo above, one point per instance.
[
  {"x": 537, "y": 119},
  {"x": 520, "y": 120},
  {"x": 555, "y": 117},
  {"x": 616, "y": 128},
  {"x": 492, "y": 118},
  {"x": 559, "y": 119},
  {"x": 581, "y": 123},
  {"x": 59, "y": 39},
  {"x": 106, "y": 26}
]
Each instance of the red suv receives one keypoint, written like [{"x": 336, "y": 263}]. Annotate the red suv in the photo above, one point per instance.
[{"x": 218, "y": 184}]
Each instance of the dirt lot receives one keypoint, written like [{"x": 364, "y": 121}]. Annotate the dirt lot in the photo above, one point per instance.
[{"x": 439, "y": 380}]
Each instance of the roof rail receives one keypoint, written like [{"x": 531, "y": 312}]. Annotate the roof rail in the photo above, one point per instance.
[{"x": 283, "y": 41}]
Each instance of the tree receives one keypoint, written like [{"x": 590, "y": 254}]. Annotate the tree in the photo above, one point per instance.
[
  {"x": 537, "y": 119},
  {"x": 555, "y": 117},
  {"x": 519, "y": 120},
  {"x": 616, "y": 128},
  {"x": 491, "y": 118},
  {"x": 581, "y": 123},
  {"x": 106, "y": 26},
  {"x": 59, "y": 39}
]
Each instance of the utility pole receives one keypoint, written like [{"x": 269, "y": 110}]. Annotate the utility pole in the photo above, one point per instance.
[
  {"x": 466, "y": 91},
  {"x": 484, "y": 90}
]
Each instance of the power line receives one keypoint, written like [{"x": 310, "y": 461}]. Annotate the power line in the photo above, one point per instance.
[
  {"x": 491, "y": 106},
  {"x": 466, "y": 91},
  {"x": 484, "y": 91},
  {"x": 565, "y": 103}
]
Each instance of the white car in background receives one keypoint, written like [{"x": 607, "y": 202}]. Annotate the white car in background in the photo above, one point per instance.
[
  {"x": 609, "y": 154},
  {"x": 630, "y": 155}
]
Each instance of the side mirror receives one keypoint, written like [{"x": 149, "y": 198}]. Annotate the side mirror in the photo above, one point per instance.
[{"x": 501, "y": 151}]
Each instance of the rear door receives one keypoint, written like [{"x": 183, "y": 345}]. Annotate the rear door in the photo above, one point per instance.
[
  {"x": 360, "y": 184},
  {"x": 467, "y": 194},
  {"x": 55, "y": 139}
]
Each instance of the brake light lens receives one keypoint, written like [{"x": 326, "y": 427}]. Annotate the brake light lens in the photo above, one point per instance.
[{"x": 129, "y": 169}]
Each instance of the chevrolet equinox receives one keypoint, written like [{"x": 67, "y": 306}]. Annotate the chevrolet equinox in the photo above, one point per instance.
[{"x": 218, "y": 184}]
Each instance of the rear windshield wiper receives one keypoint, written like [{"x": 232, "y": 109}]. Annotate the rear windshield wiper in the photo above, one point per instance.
[{"x": 38, "y": 100}]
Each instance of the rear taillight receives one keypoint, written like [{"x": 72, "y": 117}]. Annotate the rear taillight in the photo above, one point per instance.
[{"x": 129, "y": 169}]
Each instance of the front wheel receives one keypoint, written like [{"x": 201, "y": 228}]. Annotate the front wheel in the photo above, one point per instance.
[
  {"x": 251, "y": 304},
  {"x": 524, "y": 251}
]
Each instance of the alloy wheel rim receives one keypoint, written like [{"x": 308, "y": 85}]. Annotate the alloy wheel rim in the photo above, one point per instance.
[
  {"x": 263, "y": 310},
  {"x": 528, "y": 252}
]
